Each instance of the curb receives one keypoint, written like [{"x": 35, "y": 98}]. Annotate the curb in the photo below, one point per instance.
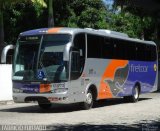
[{"x": 7, "y": 102}]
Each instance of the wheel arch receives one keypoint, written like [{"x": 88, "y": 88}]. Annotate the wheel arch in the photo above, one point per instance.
[
  {"x": 138, "y": 84},
  {"x": 93, "y": 89}
]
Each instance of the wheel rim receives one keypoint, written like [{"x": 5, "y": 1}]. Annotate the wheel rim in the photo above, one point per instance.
[
  {"x": 89, "y": 98},
  {"x": 136, "y": 93}
]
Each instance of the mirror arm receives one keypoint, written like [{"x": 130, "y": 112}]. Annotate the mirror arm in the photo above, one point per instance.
[{"x": 4, "y": 53}]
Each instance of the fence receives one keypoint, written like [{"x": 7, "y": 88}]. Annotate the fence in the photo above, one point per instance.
[{"x": 5, "y": 82}]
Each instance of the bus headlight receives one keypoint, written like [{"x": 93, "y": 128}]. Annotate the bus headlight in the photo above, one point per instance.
[
  {"x": 15, "y": 90},
  {"x": 60, "y": 90}
]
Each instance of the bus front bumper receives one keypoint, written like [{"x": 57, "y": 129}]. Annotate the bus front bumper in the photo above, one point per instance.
[{"x": 58, "y": 98}]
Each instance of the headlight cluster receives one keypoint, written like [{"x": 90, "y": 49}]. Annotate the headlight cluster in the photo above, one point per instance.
[{"x": 15, "y": 90}]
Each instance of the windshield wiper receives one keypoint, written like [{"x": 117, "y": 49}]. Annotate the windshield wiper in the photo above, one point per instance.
[{"x": 33, "y": 60}]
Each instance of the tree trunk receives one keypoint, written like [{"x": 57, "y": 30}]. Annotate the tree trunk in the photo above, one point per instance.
[
  {"x": 156, "y": 30},
  {"x": 50, "y": 14},
  {"x": 121, "y": 6},
  {"x": 1, "y": 32},
  {"x": 142, "y": 32}
]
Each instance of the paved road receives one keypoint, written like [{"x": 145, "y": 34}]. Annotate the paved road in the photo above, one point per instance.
[{"x": 108, "y": 114}]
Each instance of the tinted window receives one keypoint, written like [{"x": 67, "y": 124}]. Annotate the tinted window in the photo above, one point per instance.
[
  {"x": 108, "y": 49},
  {"x": 151, "y": 53},
  {"x": 119, "y": 49},
  {"x": 112, "y": 48},
  {"x": 94, "y": 46},
  {"x": 130, "y": 50},
  {"x": 80, "y": 46},
  {"x": 57, "y": 38}
]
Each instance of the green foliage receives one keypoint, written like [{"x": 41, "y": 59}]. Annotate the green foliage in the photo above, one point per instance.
[
  {"x": 18, "y": 18},
  {"x": 134, "y": 20},
  {"x": 88, "y": 13},
  {"x": 39, "y": 5},
  {"x": 72, "y": 20},
  {"x": 91, "y": 18},
  {"x": 5, "y": 3},
  {"x": 131, "y": 21},
  {"x": 21, "y": 15},
  {"x": 80, "y": 13},
  {"x": 126, "y": 23}
]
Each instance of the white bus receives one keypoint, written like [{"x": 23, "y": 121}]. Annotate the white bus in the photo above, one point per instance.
[{"x": 72, "y": 65}]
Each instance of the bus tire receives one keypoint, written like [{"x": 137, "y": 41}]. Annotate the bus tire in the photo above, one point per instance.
[
  {"x": 45, "y": 106},
  {"x": 134, "y": 97},
  {"x": 88, "y": 104}
]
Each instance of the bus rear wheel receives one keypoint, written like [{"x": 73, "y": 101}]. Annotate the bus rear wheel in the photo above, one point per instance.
[
  {"x": 45, "y": 106},
  {"x": 88, "y": 104},
  {"x": 134, "y": 97}
]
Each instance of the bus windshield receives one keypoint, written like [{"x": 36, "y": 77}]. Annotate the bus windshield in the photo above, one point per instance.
[{"x": 40, "y": 58}]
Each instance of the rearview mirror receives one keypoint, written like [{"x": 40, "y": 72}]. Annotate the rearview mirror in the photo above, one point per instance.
[{"x": 4, "y": 53}]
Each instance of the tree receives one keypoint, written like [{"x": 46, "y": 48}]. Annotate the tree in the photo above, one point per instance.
[
  {"x": 4, "y": 5},
  {"x": 148, "y": 16},
  {"x": 50, "y": 10},
  {"x": 1, "y": 25},
  {"x": 126, "y": 17},
  {"x": 39, "y": 5},
  {"x": 20, "y": 17},
  {"x": 50, "y": 14},
  {"x": 76, "y": 13}
]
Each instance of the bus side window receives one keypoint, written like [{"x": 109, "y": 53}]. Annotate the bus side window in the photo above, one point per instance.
[
  {"x": 94, "y": 46},
  {"x": 140, "y": 52},
  {"x": 108, "y": 48},
  {"x": 153, "y": 53},
  {"x": 147, "y": 53},
  {"x": 131, "y": 50},
  {"x": 120, "y": 52},
  {"x": 80, "y": 45},
  {"x": 115, "y": 49}
]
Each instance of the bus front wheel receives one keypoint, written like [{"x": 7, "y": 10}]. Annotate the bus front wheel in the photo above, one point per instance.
[{"x": 89, "y": 100}]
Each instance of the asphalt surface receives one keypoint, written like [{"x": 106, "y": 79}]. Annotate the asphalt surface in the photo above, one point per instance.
[{"x": 111, "y": 114}]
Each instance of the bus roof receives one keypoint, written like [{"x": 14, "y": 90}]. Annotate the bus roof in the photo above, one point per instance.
[{"x": 101, "y": 32}]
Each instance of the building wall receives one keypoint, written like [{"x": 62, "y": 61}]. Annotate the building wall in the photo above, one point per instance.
[{"x": 5, "y": 82}]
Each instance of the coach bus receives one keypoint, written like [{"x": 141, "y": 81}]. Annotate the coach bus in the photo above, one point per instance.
[{"x": 73, "y": 65}]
